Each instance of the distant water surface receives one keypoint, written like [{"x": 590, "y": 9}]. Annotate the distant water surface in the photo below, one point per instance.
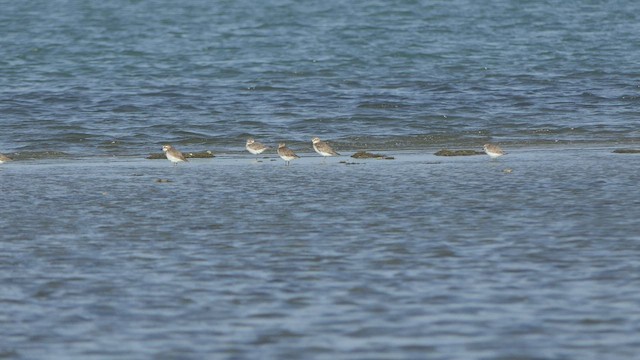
[{"x": 121, "y": 77}]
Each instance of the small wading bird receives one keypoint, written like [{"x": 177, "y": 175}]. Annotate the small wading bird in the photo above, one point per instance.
[
  {"x": 323, "y": 148},
  {"x": 493, "y": 150},
  {"x": 4, "y": 159},
  {"x": 255, "y": 147},
  {"x": 173, "y": 155},
  {"x": 286, "y": 154}
]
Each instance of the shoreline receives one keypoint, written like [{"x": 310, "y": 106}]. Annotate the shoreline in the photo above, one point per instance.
[
  {"x": 241, "y": 157},
  {"x": 305, "y": 150}
]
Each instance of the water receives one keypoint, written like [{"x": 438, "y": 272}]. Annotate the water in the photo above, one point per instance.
[
  {"x": 416, "y": 257},
  {"x": 407, "y": 258},
  {"x": 122, "y": 77}
]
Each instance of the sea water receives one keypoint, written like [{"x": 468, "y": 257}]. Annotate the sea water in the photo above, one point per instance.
[{"x": 106, "y": 254}]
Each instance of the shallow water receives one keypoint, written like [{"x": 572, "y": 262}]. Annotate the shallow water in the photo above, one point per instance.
[{"x": 421, "y": 256}]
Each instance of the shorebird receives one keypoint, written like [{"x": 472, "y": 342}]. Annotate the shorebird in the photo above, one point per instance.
[
  {"x": 255, "y": 147},
  {"x": 4, "y": 159},
  {"x": 493, "y": 150},
  {"x": 286, "y": 154},
  {"x": 173, "y": 155},
  {"x": 323, "y": 148}
]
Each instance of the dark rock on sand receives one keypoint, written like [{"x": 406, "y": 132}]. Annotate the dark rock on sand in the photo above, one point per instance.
[
  {"x": 627, "y": 151},
  {"x": 368, "y": 155},
  {"x": 446, "y": 152}
]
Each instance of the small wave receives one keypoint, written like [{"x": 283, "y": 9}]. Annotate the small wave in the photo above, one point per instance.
[
  {"x": 630, "y": 98},
  {"x": 38, "y": 155},
  {"x": 379, "y": 105},
  {"x": 590, "y": 95},
  {"x": 127, "y": 109},
  {"x": 265, "y": 88}
]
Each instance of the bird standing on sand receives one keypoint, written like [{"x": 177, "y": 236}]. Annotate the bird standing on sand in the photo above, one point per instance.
[
  {"x": 493, "y": 150},
  {"x": 173, "y": 155},
  {"x": 4, "y": 159},
  {"x": 286, "y": 154},
  {"x": 323, "y": 148},
  {"x": 255, "y": 147}
]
